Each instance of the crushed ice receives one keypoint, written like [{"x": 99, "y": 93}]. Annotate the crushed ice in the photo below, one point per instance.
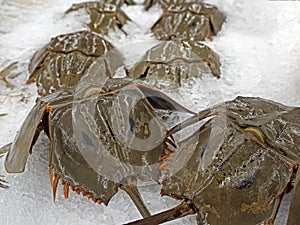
[{"x": 259, "y": 47}]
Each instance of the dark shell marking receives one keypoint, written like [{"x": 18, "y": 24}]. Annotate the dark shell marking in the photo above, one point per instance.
[
  {"x": 104, "y": 16},
  {"x": 63, "y": 62},
  {"x": 189, "y": 21},
  {"x": 237, "y": 166},
  {"x": 175, "y": 61}
]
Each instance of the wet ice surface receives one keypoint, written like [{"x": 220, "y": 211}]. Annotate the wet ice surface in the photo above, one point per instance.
[{"x": 259, "y": 46}]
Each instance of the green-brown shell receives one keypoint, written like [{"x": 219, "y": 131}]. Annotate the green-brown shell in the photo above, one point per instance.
[
  {"x": 105, "y": 16},
  {"x": 189, "y": 21},
  {"x": 98, "y": 156},
  {"x": 98, "y": 141},
  {"x": 68, "y": 57},
  {"x": 238, "y": 162},
  {"x": 294, "y": 216},
  {"x": 34, "y": 123},
  {"x": 97, "y": 4},
  {"x": 175, "y": 61},
  {"x": 165, "y": 4}
]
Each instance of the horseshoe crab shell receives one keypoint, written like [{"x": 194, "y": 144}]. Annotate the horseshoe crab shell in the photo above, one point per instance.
[
  {"x": 176, "y": 61},
  {"x": 189, "y": 21},
  {"x": 66, "y": 58},
  {"x": 240, "y": 163},
  {"x": 101, "y": 142}
]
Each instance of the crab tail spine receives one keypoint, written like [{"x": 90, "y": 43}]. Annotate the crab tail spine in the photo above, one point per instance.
[
  {"x": 179, "y": 211},
  {"x": 129, "y": 185}
]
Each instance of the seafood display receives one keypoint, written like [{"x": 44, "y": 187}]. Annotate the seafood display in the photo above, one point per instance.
[{"x": 232, "y": 162}]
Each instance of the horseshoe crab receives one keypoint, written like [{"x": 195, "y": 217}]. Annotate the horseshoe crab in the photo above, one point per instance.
[
  {"x": 165, "y": 4},
  {"x": 175, "y": 61},
  {"x": 62, "y": 62},
  {"x": 119, "y": 138},
  {"x": 237, "y": 166},
  {"x": 104, "y": 16},
  {"x": 189, "y": 21}
]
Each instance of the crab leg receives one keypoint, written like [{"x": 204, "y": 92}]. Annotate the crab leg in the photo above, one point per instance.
[
  {"x": 184, "y": 209},
  {"x": 129, "y": 185}
]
